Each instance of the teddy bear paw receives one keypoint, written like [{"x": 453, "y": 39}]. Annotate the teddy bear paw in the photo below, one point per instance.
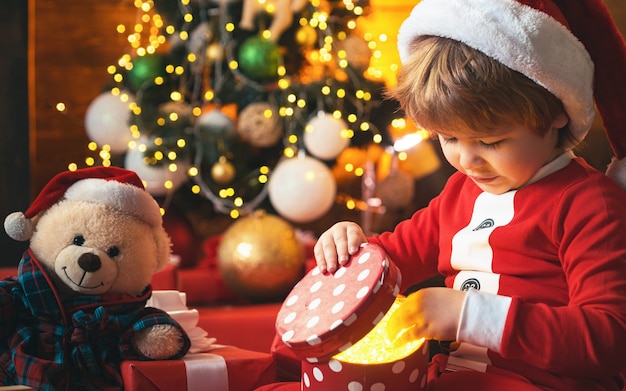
[{"x": 159, "y": 342}]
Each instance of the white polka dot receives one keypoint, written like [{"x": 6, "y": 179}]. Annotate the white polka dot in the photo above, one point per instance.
[
  {"x": 423, "y": 384},
  {"x": 316, "y": 287},
  {"x": 385, "y": 263},
  {"x": 362, "y": 292},
  {"x": 414, "y": 374},
  {"x": 424, "y": 348},
  {"x": 313, "y": 321},
  {"x": 350, "y": 319},
  {"x": 377, "y": 287},
  {"x": 363, "y": 275},
  {"x": 337, "y": 307},
  {"x": 287, "y": 335},
  {"x": 364, "y": 258},
  {"x": 378, "y": 318},
  {"x": 316, "y": 271},
  {"x": 291, "y": 300},
  {"x": 313, "y": 339},
  {"x": 339, "y": 289},
  {"x": 377, "y": 387},
  {"x": 336, "y": 324},
  {"x": 398, "y": 367},
  {"x": 290, "y": 318},
  {"x": 306, "y": 380},
  {"x": 317, "y": 374},
  {"x": 314, "y": 304},
  {"x": 355, "y": 386},
  {"x": 345, "y": 347},
  {"x": 335, "y": 365},
  {"x": 340, "y": 272}
]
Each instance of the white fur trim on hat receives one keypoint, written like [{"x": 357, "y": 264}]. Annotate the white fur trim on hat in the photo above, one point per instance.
[
  {"x": 18, "y": 226},
  {"x": 522, "y": 38},
  {"x": 124, "y": 197}
]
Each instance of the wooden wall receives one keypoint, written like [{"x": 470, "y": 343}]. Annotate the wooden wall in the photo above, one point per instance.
[{"x": 71, "y": 44}]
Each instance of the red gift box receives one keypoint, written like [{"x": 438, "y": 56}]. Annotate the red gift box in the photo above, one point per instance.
[
  {"x": 245, "y": 371},
  {"x": 166, "y": 278},
  {"x": 327, "y": 314}
]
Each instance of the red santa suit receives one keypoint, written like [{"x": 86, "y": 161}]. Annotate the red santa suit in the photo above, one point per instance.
[{"x": 545, "y": 271}]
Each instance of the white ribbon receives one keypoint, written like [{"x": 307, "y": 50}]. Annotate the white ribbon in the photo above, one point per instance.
[
  {"x": 206, "y": 371},
  {"x": 175, "y": 304}
]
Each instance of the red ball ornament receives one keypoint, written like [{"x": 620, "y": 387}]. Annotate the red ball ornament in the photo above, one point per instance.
[{"x": 185, "y": 244}]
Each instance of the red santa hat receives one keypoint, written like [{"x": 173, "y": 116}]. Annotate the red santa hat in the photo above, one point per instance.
[
  {"x": 571, "y": 47},
  {"x": 118, "y": 188}
]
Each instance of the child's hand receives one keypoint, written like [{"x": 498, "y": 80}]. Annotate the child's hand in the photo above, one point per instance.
[
  {"x": 431, "y": 313},
  {"x": 337, "y": 244}
]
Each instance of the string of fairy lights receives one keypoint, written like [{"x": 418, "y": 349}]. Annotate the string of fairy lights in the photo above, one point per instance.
[{"x": 331, "y": 56}]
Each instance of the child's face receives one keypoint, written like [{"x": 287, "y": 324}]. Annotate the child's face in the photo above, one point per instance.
[{"x": 503, "y": 160}]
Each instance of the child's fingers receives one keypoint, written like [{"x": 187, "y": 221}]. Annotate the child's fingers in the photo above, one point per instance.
[{"x": 326, "y": 256}]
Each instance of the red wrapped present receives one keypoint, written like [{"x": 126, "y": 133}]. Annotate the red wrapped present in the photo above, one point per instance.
[
  {"x": 166, "y": 278},
  {"x": 224, "y": 368},
  {"x": 230, "y": 325},
  {"x": 203, "y": 283}
]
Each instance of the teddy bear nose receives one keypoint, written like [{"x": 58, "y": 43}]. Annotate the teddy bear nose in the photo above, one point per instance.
[{"x": 89, "y": 262}]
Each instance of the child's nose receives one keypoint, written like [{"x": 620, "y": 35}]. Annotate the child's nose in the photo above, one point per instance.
[{"x": 469, "y": 157}]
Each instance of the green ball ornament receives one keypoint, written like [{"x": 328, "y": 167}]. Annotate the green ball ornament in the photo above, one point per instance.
[
  {"x": 146, "y": 69},
  {"x": 259, "y": 58}
]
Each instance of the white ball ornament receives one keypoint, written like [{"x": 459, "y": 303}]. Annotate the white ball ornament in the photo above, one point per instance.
[
  {"x": 155, "y": 177},
  {"x": 302, "y": 189},
  {"x": 107, "y": 120},
  {"x": 326, "y": 136}
]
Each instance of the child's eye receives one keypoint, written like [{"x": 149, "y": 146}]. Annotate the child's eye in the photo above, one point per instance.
[
  {"x": 448, "y": 140},
  {"x": 494, "y": 144}
]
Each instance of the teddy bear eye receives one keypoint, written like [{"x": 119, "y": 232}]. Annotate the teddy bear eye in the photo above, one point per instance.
[
  {"x": 113, "y": 252},
  {"x": 79, "y": 240}
]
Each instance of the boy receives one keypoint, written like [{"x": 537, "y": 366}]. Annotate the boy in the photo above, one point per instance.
[{"x": 530, "y": 239}]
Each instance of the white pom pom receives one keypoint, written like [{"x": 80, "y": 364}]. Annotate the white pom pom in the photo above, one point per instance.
[
  {"x": 617, "y": 171},
  {"x": 18, "y": 226}
]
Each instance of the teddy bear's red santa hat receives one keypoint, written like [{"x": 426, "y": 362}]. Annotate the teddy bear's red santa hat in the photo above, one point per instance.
[
  {"x": 571, "y": 47},
  {"x": 118, "y": 188}
]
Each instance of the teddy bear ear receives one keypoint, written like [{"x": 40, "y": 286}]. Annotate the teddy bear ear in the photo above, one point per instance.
[
  {"x": 18, "y": 226},
  {"x": 164, "y": 247}
]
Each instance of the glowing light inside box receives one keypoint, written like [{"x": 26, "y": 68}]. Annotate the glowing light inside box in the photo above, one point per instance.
[{"x": 376, "y": 347}]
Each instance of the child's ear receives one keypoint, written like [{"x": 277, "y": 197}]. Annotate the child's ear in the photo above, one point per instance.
[{"x": 560, "y": 121}]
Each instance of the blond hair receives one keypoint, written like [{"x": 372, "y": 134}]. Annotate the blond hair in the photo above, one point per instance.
[{"x": 446, "y": 84}]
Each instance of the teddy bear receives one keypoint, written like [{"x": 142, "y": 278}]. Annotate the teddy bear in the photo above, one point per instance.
[{"x": 77, "y": 306}]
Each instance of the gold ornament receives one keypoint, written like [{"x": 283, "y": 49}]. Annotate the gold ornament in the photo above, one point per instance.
[
  {"x": 306, "y": 36},
  {"x": 222, "y": 171},
  {"x": 260, "y": 257}
]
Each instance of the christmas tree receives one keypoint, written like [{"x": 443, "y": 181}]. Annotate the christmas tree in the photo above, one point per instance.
[{"x": 250, "y": 104}]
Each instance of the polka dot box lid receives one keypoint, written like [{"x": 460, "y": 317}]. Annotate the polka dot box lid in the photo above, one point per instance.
[{"x": 325, "y": 314}]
